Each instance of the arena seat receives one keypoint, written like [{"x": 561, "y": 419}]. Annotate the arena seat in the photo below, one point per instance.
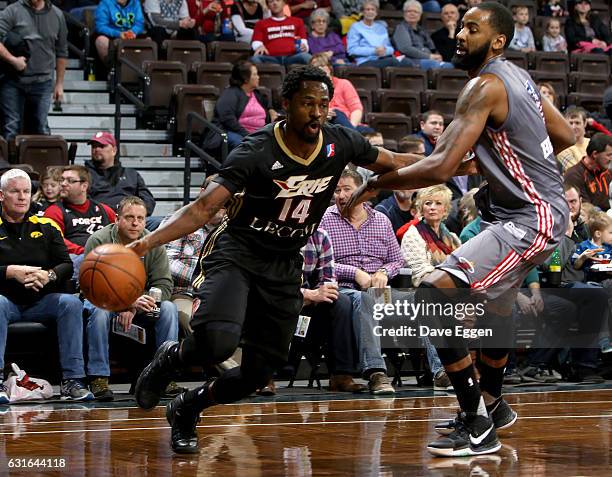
[
  {"x": 229, "y": 51},
  {"x": 137, "y": 51},
  {"x": 185, "y": 51},
  {"x": 590, "y": 63},
  {"x": 399, "y": 101},
  {"x": 551, "y": 61},
  {"x": 390, "y": 125},
  {"x": 411, "y": 79},
  {"x": 3, "y": 150},
  {"x": 365, "y": 96},
  {"x": 164, "y": 76},
  {"x": 215, "y": 74},
  {"x": 431, "y": 22},
  {"x": 587, "y": 83},
  {"x": 41, "y": 151},
  {"x": 449, "y": 80},
  {"x": 518, "y": 58},
  {"x": 366, "y": 77},
  {"x": 188, "y": 98},
  {"x": 558, "y": 80},
  {"x": 442, "y": 101},
  {"x": 590, "y": 102}
]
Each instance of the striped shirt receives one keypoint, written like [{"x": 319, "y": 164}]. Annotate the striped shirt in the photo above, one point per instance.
[{"x": 318, "y": 260}]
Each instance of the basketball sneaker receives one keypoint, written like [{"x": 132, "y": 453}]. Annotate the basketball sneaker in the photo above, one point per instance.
[
  {"x": 156, "y": 377},
  {"x": 4, "y": 399},
  {"x": 473, "y": 435},
  {"x": 501, "y": 413},
  {"x": 183, "y": 419},
  {"x": 74, "y": 390}
]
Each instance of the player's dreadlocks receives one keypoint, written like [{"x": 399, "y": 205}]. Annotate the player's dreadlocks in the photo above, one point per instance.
[{"x": 295, "y": 77}]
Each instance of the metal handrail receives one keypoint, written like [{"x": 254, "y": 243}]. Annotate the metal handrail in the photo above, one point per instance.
[
  {"x": 81, "y": 53},
  {"x": 203, "y": 155}
]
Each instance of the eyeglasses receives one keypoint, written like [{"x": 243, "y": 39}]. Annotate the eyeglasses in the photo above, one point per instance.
[
  {"x": 319, "y": 21},
  {"x": 71, "y": 181}
]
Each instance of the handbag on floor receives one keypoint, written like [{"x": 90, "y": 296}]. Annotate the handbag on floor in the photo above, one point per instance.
[{"x": 21, "y": 387}]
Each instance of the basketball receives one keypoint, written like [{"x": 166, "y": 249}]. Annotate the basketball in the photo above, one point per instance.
[{"x": 112, "y": 277}]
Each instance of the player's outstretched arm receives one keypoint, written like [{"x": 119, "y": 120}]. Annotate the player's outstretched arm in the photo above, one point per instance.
[
  {"x": 560, "y": 133},
  {"x": 185, "y": 220}
]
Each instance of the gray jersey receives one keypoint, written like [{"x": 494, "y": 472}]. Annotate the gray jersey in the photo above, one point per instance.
[{"x": 525, "y": 186}]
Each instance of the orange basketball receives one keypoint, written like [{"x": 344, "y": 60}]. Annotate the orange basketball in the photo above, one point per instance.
[{"x": 112, "y": 277}]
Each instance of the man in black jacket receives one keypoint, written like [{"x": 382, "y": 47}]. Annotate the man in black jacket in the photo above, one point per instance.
[{"x": 34, "y": 265}]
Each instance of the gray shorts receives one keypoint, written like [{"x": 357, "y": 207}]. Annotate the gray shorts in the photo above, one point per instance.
[{"x": 498, "y": 258}]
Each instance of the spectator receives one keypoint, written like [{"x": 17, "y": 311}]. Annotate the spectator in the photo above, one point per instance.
[
  {"x": 469, "y": 215},
  {"x": 398, "y": 208},
  {"x": 169, "y": 19},
  {"x": 552, "y": 39},
  {"x": 36, "y": 33},
  {"x": 245, "y": 14},
  {"x": 577, "y": 119},
  {"x": 548, "y": 91},
  {"x": 413, "y": 144},
  {"x": 368, "y": 40},
  {"x": 212, "y": 19},
  {"x": 345, "y": 108},
  {"x": 48, "y": 193},
  {"x": 110, "y": 181},
  {"x": 304, "y": 8},
  {"x": 34, "y": 267},
  {"x": 523, "y": 36},
  {"x": 241, "y": 109},
  {"x": 413, "y": 41},
  {"x": 432, "y": 127},
  {"x": 347, "y": 11},
  {"x": 445, "y": 39},
  {"x": 77, "y": 216},
  {"x": 585, "y": 32},
  {"x": 275, "y": 38},
  {"x": 324, "y": 41},
  {"x": 130, "y": 226},
  {"x": 579, "y": 229},
  {"x": 596, "y": 249},
  {"x": 367, "y": 255},
  {"x": 425, "y": 244},
  {"x": 117, "y": 19},
  {"x": 430, "y": 6},
  {"x": 591, "y": 176},
  {"x": 553, "y": 8}
]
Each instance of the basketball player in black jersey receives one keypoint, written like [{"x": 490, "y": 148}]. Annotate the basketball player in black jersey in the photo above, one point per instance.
[{"x": 277, "y": 184}]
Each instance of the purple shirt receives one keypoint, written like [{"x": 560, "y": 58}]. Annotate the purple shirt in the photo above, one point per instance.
[
  {"x": 372, "y": 247},
  {"x": 329, "y": 42}
]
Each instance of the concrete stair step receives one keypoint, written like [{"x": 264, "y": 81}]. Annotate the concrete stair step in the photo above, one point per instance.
[
  {"x": 90, "y": 122},
  {"x": 93, "y": 109},
  {"x": 166, "y": 207},
  {"x": 79, "y": 97},
  {"x": 145, "y": 152},
  {"x": 73, "y": 63},
  {"x": 74, "y": 75},
  {"x": 132, "y": 135},
  {"x": 81, "y": 85},
  {"x": 172, "y": 193},
  {"x": 165, "y": 178}
]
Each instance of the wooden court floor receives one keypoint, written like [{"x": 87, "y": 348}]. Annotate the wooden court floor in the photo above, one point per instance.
[{"x": 558, "y": 433}]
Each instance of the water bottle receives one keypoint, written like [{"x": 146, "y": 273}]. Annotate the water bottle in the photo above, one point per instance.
[
  {"x": 156, "y": 294},
  {"x": 554, "y": 269},
  {"x": 298, "y": 45},
  {"x": 91, "y": 73}
]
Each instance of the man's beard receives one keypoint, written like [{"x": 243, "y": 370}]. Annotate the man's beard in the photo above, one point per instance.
[{"x": 471, "y": 61}]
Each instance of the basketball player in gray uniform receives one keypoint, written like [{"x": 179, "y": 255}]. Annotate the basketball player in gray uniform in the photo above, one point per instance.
[{"x": 514, "y": 134}]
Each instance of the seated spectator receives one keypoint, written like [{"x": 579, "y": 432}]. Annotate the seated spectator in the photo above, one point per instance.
[
  {"x": 169, "y": 19},
  {"x": 413, "y": 40},
  {"x": 553, "y": 8},
  {"x": 585, "y": 32},
  {"x": 77, "y": 216},
  {"x": 398, "y": 208},
  {"x": 579, "y": 228},
  {"x": 432, "y": 127},
  {"x": 280, "y": 39},
  {"x": 413, "y": 144},
  {"x": 425, "y": 244},
  {"x": 553, "y": 39},
  {"x": 345, "y": 108},
  {"x": 523, "y": 36},
  {"x": 34, "y": 268},
  {"x": 245, "y": 13},
  {"x": 445, "y": 39},
  {"x": 591, "y": 176},
  {"x": 241, "y": 109},
  {"x": 577, "y": 119},
  {"x": 347, "y": 11},
  {"x": 212, "y": 18},
  {"x": 304, "y": 8},
  {"x": 111, "y": 182},
  {"x": 324, "y": 41},
  {"x": 117, "y": 19},
  {"x": 597, "y": 249},
  {"x": 367, "y": 255},
  {"x": 368, "y": 40},
  {"x": 130, "y": 226},
  {"x": 469, "y": 215},
  {"x": 48, "y": 193},
  {"x": 548, "y": 91}
]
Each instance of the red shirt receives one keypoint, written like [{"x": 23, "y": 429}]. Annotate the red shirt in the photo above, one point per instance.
[
  {"x": 278, "y": 36},
  {"x": 206, "y": 22},
  {"x": 305, "y": 12}
]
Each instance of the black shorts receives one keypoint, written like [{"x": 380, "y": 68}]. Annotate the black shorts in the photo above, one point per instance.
[{"x": 258, "y": 292}]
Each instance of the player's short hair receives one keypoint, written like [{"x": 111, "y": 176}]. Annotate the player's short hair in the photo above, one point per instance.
[
  {"x": 13, "y": 174},
  {"x": 429, "y": 192},
  {"x": 295, "y": 78},
  {"x": 574, "y": 111},
  {"x": 599, "y": 222},
  {"x": 432, "y": 112},
  {"x": 82, "y": 171},
  {"x": 500, "y": 19},
  {"x": 410, "y": 143},
  {"x": 353, "y": 174},
  {"x": 598, "y": 143},
  {"x": 128, "y": 202}
]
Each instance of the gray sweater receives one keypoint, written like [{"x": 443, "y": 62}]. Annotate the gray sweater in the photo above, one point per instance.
[
  {"x": 415, "y": 44},
  {"x": 44, "y": 32}
]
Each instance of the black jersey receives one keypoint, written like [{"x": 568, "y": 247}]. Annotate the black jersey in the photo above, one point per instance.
[{"x": 280, "y": 197}]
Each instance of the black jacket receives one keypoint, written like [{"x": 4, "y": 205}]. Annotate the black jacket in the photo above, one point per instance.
[
  {"x": 575, "y": 31},
  {"x": 115, "y": 183},
  {"x": 228, "y": 109},
  {"x": 446, "y": 46},
  {"x": 37, "y": 242}
]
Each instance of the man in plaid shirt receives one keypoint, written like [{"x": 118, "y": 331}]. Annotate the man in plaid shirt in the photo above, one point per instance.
[
  {"x": 367, "y": 256},
  {"x": 331, "y": 312}
]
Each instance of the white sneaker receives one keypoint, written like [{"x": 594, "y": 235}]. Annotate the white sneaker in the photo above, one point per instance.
[{"x": 4, "y": 399}]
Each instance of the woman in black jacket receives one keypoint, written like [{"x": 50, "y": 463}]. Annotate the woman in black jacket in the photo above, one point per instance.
[
  {"x": 585, "y": 32},
  {"x": 241, "y": 109}
]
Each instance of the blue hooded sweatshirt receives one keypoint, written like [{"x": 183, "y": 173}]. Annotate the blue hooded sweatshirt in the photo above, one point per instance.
[{"x": 112, "y": 19}]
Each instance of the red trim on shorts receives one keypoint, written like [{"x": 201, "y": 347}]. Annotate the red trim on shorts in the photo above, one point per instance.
[{"x": 499, "y": 271}]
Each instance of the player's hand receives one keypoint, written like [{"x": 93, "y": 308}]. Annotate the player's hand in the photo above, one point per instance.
[
  {"x": 363, "y": 193},
  {"x": 125, "y": 319},
  {"x": 140, "y": 247},
  {"x": 363, "y": 279},
  {"x": 20, "y": 272},
  {"x": 379, "y": 280},
  {"x": 144, "y": 303}
]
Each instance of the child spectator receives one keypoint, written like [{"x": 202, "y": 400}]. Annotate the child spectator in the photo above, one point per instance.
[
  {"x": 597, "y": 250},
  {"x": 553, "y": 40},
  {"x": 523, "y": 37},
  {"x": 117, "y": 19},
  {"x": 48, "y": 190}
]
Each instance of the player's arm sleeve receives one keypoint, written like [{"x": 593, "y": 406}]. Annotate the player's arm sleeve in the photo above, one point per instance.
[
  {"x": 360, "y": 151},
  {"x": 238, "y": 167}
]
